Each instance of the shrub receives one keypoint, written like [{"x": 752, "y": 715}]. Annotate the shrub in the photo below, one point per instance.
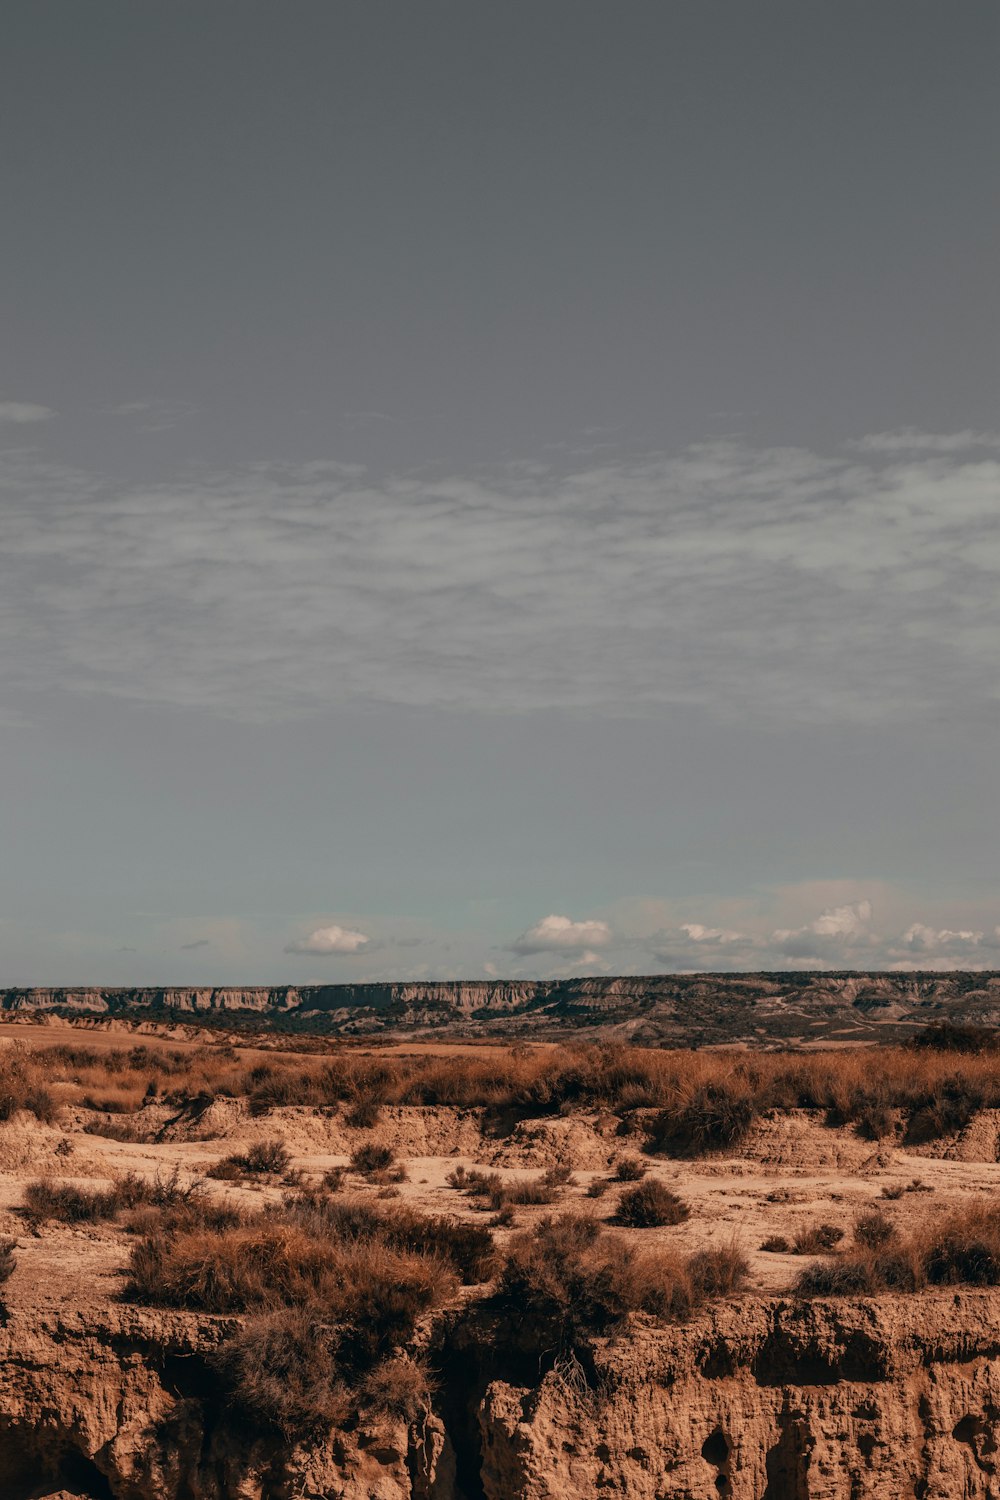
[
  {"x": 467, "y": 1247},
  {"x": 629, "y": 1169},
  {"x": 23, "y": 1086},
  {"x": 333, "y": 1179},
  {"x": 776, "y": 1244},
  {"x": 262, "y": 1159},
  {"x": 817, "y": 1238},
  {"x": 278, "y": 1370},
  {"x": 399, "y": 1386},
  {"x": 649, "y": 1205},
  {"x": 73, "y": 1205},
  {"x": 266, "y": 1158},
  {"x": 565, "y": 1280},
  {"x": 719, "y": 1273},
  {"x": 8, "y": 1260},
  {"x": 598, "y": 1187},
  {"x": 874, "y": 1230},
  {"x": 965, "y": 1247},
  {"x": 371, "y": 1158},
  {"x": 714, "y": 1117},
  {"x": 893, "y": 1191},
  {"x": 364, "y": 1113}
]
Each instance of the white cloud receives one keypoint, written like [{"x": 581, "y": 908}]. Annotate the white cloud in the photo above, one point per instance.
[
  {"x": 778, "y": 585},
  {"x": 699, "y": 934},
  {"x": 329, "y": 940},
  {"x": 555, "y": 934},
  {"x": 24, "y": 411}
]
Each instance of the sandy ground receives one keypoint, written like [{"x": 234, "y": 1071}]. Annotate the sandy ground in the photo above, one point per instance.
[{"x": 792, "y": 1172}]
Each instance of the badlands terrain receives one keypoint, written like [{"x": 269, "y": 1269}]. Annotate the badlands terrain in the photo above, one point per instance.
[{"x": 277, "y": 1268}]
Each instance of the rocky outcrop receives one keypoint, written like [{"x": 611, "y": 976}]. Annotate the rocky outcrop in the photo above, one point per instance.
[
  {"x": 672, "y": 1009},
  {"x": 755, "y": 1399}
]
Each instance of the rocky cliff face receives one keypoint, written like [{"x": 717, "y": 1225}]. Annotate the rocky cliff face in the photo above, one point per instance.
[
  {"x": 756, "y": 1399},
  {"x": 670, "y": 1009}
]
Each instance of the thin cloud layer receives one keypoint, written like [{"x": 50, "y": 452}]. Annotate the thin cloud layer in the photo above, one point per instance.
[
  {"x": 332, "y": 939},
  {"x": 20, "y": 412},
  {"x": 555, "y": 934},
  {"x": 772, "y": 585}
]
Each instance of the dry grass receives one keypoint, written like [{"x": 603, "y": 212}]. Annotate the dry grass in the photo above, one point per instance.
[
  {"x": 961, "y": 1247},
  {"x": 704, "y": 1101},
  {"x": 68, "y": 1204},
  {"x": 262, "y": 1159},
  {"x": 816, "y": 1238}
]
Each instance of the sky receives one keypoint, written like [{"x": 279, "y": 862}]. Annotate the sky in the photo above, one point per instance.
[{"x": 498, "y": 490}]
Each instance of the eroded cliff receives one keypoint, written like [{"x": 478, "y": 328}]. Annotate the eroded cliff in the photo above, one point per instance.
[{"x": 756, "y": 1399}]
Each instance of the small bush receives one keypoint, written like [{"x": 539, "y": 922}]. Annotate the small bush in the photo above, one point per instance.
[
  {"x": 629, "y": 1169},
  {"x": 370, "y": 1158},
  {"x": 598, "y": 1187},
  {"x": 278, "y": 1370},
  {"x": 776, "y": 1244},
  {"x": 565, "y": 1280},
  {"x": 69, "y": 1204},
  {"x": 267, "y": 1158},
  {"x": 333, "y": 1179},
  {"x": 8, "y": 1260},
  {"x": 399, "y": 1387},
  {"x": 874, "y": 1230},
  {"x": 893, "y": 1191},
  {"x": 817, "y": 1238},
  {"x": 23, "y": 1086},
  {"x": 649, "y": 1205},
  {"x": 364, "y": 1112},
  {"x": 719, "y": 1273},
  {"x": 262, "y": 1159},
  {"x": 715, "y": 1117}
]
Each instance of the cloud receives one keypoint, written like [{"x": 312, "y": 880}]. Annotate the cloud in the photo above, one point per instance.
[
  {"x": 329, "y": 940},
  {"x": 154, "y": 413},
  {"x": 772, "y": 585},
  {"x": 554, "y": 934},
  {"x": 198, "y": 943},
  {"x": 24, "y": 411}
]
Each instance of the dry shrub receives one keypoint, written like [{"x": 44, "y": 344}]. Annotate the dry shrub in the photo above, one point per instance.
[
  {"x": 713, "y": 1117},
  {"x": 23, "y": 1085},
  {"x": 399, "y": 1386},
  {"x": 958, "y": 1248},
  {"x": 629, "y": 1169},
  {"x": 69, "y": 1204},
  {"x": 817, "y": 1238},
  {"x": 649, "y": 1205},
  {"x": 566, "y": 1280},
  {"x": 874, "y": 1229},
  {"x": 719, "y": 1273},
  {"x": 468, "y": 1248},
  {"x": 364, "y": 1112},
  {"x": 598, "y": 1187},
  {"x": 370, "y": 1158},
  {"x": 705, "y": 1101},
  {"x": 8, "y": 1259},
  {"x": 333, "y": 1179},
  {"x": 893, "y": 1191},
  {"x": 776, "y": 1244},
  {"x": 278, "y": 1370},
  {"x": 262, "y": 1159}
]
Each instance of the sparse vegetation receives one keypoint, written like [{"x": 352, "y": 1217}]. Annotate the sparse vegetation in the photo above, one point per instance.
[
  {"x": 262, "y": 1159},
  {"x": 69, "y": 1204},
  {"x": 956, "y": 1248},
  {"x": 702, "y": 1102},
  {"x": 719, "y": 1272},
  {"x": 776, "y": 1244},
  {"x": 817, "y": 1238}
]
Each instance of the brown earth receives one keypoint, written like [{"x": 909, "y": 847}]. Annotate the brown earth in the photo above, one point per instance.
[{"x": 764, "y": 1396}]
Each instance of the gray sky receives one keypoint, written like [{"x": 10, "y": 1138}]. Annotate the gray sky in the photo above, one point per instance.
[{"x": 498, "y": 488}]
